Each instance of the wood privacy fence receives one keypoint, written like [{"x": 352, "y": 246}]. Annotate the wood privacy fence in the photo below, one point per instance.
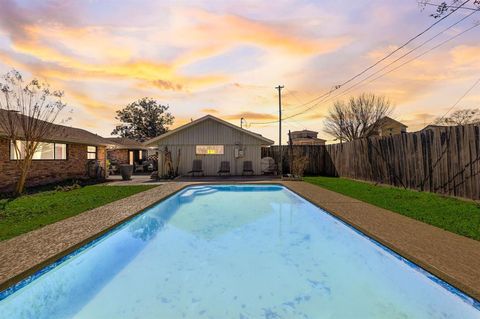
[{"x": 441, "y": 160}]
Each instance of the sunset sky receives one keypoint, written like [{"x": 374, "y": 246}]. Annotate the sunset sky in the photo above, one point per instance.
[{"x": 225, "y": 57}]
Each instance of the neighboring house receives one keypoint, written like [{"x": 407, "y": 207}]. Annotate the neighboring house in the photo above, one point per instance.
[
  {"x": 65, "y": 154},
  {"x": 306, "y": 137},
  {"x": 211, "y": 140},
  {"x": 389, "y": 126},
  {"x": 432, "y": 127}
]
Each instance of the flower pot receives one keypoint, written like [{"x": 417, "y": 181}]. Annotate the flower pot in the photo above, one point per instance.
[{"x": 126, "y": 171}]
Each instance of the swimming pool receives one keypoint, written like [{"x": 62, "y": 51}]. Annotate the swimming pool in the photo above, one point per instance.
[{"x": 234, "y": 251}]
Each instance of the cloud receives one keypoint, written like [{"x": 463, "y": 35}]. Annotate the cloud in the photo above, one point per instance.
[
  {"x": 209, "y": 111},
  {"x": 250, "y": 116},
  {"x": 91, "y": 105},
  {"x": 466, "y": 55},
  {"x": 234, "y": 29}
]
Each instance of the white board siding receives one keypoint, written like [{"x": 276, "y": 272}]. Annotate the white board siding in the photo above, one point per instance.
[{"x": 211, "y": 132}]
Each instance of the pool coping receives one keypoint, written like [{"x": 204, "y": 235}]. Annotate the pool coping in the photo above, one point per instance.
[{"x": 452, "y": 258}]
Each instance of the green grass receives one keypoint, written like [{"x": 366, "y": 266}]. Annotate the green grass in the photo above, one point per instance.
[
  {"x": 29, "y": 212},
  {"x": 455, "y": 215}
]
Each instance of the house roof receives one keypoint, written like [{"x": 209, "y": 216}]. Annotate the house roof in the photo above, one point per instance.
[
  {"x": 58, "y": 133},
  {"x": 387, "y": 119},
  {"x": 308, "y": 139},
  {"x": 304, "y": 131},
  {"x": 125, "y": 143},
  {"x": 434, "y": 126},
  {"x": 202, "y": 119}
]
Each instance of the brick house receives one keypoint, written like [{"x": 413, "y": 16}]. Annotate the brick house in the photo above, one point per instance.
[
  {"x": 67, "y": 153},
  {"x": 127, "y": 151},
  {"x": 389, "y": 126}
]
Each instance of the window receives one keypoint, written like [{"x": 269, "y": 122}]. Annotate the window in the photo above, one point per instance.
[
  {"x": 130, "y": 157},
  {"x": 60, "y": 151},
  {"x": 91, "y": 152},
  {"x": 44, "y": 151},
  {"x": 209, "y": 150}
]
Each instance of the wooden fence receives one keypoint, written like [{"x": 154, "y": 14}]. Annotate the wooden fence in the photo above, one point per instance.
[
  {"x": 441, "y": 160},
  {"x": 315, "y": 153}
]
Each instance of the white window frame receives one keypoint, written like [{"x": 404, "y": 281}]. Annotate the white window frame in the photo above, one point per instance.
[
  {"x": 90, "y": 152},
  {"x": 13, "y": 155},
  {"x": 210, "y": 149}
]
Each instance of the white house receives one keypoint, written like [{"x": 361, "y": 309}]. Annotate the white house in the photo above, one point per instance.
[{"x": 212, "y": 141}]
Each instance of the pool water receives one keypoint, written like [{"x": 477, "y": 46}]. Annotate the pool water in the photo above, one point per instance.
[{"x": 235, "y": 252}]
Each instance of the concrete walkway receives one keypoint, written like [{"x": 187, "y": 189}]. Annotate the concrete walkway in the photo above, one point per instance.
[{"x": 453, "y": 258}]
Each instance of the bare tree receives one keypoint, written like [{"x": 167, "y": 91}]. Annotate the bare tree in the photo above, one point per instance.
[
  {"x": 358, "y": 117},
  {"x": 28, "y": 111},
  {"x": 460, "y": 117},
  {"x": 441, "y": 8}
]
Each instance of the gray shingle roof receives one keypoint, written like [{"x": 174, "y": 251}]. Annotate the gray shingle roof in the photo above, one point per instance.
[
  {"x": 125, "y": 143},
  {"x": 60, "y": 133}
]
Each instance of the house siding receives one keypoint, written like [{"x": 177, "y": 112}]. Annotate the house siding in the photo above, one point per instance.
[
  {"x": 210, "y": 132},
  {"x": 47, "y": 171}
]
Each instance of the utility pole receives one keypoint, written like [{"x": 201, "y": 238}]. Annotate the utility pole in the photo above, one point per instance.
[{"x": 280, "y": 162}]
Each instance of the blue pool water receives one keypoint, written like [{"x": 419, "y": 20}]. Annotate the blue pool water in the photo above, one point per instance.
[{"x": 234, "y": 252}]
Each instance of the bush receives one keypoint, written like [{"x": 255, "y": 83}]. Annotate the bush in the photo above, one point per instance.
[{"x": 300, "y": 163}]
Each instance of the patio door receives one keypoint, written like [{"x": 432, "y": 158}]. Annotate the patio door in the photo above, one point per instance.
[{"x": 130, "y": 157}]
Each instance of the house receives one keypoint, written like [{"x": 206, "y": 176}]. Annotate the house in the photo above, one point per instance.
[
  {"x": 305, "y": 137},
  {"x": 212, "y": 141},
  {"x": 128, "y": 151},
  {"x": 64, "y": 154},
  {"x": 433, "y": 127},
  {"x": 389, "y": 126}
]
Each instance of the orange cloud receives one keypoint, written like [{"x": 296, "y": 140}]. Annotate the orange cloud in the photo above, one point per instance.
[
  {"x": 250, "y": 116},
  {"x": 209, "y": 111},
  {"x": 465, "y": 55},
  {"x": 95, "y": 107},
  {"x": 232, "y": 29}
]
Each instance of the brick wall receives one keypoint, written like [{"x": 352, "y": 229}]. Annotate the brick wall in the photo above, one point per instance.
[
  {"x": 121, "y": 156},
  {"x": 47, "y": 171}
]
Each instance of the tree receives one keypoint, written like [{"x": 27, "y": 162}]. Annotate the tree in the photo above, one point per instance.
[
  {"x": 358, "y": 117},
  {"x": 28, "y": 111},
  {"x": 447, "y": 6},
  {"x": 143, "y": 119},
  {"x": 460, "y": 117}
]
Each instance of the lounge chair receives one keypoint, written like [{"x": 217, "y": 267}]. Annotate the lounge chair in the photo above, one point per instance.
[
  {"x": 247, "y": 167},
  {"x": 224, "y": 168},
  {"x": 196, "y": 167}
]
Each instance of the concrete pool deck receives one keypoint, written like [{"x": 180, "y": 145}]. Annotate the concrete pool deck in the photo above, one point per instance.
[{"x": 453, "y": 258}]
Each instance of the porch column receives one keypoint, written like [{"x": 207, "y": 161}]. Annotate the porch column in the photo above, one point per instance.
[{"x": 161, "y": 155}]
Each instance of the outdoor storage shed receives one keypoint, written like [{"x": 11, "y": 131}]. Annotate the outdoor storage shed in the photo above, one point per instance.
[{"x": 212, "y": 141}]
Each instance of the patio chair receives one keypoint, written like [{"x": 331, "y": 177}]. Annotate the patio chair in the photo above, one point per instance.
[
  {"x": 247, "y": 167},
  {"x": 224, "y": 168},
  {"x": 138, "y": 167},
  {"x": 196, "y": 167}
]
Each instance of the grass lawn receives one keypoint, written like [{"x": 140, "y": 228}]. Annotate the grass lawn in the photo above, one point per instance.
[
  {"x": 455, "y": 215},
  {"x": 29, "y": 212}
]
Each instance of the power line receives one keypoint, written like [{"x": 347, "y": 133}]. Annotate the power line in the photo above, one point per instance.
[
  {"x": 336, "y": 87},
  {"x": 460, "y": 99},
  {"x": 400, "y": 65},
  {"x": 404, "y": 55},
  {"x": 359, "y": 84},
  {"x": 449, "y": 7}
]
